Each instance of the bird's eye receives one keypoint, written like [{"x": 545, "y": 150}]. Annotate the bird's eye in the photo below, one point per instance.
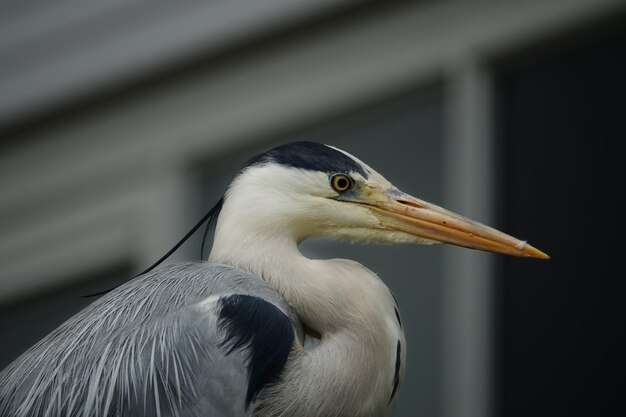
[{"x": 340, "y": 182}]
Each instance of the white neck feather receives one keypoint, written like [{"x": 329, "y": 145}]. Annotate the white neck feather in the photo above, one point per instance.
[
  {"x": 327, "y": 294},
  {"x": 340, "y": 299}
]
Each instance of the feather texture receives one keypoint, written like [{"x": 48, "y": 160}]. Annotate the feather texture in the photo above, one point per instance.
[{"x": 150, "y": 347}]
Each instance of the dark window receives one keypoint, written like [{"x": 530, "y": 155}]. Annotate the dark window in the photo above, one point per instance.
[{"x": 562, "y": 117}]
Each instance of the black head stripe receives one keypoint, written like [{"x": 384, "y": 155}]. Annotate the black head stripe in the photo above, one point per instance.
[{"x": 311, "y": 156}]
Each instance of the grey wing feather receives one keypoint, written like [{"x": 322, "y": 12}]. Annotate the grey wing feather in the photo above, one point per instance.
[{"x": 150, "y": 347}]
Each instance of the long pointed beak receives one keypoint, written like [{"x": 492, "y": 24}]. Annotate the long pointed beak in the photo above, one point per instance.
[{"x": 410, "y": 215}]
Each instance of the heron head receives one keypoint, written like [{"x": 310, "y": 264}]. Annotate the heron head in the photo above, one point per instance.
[{"x": 307, "y": 189}]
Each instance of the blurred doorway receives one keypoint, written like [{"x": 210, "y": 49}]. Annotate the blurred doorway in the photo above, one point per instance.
[{"x": 561, "y": 329}]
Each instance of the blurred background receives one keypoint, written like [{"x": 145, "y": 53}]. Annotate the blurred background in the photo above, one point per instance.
[{"x": 122, "y": 122}]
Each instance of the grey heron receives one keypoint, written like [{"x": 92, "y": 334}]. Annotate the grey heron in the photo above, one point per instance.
[{"x": 228, "y": 337}]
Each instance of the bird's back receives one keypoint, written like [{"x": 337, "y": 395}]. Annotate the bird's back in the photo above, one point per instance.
[{"x": 180, "y": 341}]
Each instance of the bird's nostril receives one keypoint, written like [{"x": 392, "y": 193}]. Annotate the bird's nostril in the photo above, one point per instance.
[{"x": 410, "y": 203}]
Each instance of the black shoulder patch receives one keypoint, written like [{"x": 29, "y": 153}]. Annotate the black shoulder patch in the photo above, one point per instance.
[
  {"x": 396, "y": 375},
  {"x": 259, "y": 326},
  {"x": 311, "y": 156}
]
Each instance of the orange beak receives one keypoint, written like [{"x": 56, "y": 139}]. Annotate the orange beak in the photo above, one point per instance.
[{"x": 402, "y": 212}]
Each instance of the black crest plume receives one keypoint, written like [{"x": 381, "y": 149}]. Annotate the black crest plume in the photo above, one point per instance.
[{"x": 210, "y": 218}]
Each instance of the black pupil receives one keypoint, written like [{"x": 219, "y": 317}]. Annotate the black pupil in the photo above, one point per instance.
[{"x": 342, "y": 183}]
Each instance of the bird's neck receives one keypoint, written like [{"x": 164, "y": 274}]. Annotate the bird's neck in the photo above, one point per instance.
[
  {"x": 348, "y": 305},
  {"x": 327, "y": 294}
]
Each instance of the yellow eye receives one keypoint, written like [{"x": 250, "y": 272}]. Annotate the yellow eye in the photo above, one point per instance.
[{"x": 340, "y": 182}]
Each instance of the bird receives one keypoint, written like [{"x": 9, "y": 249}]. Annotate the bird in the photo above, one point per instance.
[{"x": 258, "y": 329}]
